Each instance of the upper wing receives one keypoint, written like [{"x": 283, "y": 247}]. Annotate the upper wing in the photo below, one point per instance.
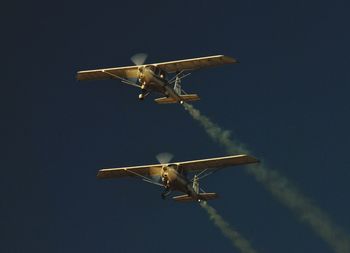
[
  {"x": 195, "y": 63},
  {"x": 189, "y": 166},
  {"x": 219, "y": 162},
  {"x": 143, "y": 171},
  {"x": 170, "y": 67},
  {"x": 108, "y": 73}
]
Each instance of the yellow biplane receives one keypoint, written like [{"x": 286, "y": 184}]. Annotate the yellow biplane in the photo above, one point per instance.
[
  {"x": 154, "y": 77},
  {"x": 173, "y": 176}
]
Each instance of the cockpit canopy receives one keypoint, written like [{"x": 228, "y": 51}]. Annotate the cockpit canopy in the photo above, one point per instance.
[{"x": 157, "y": 71}]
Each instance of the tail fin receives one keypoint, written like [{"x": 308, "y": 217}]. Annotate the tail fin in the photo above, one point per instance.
[
  {"x": 184, "y": 98},
  {"x": 201, "y": 196}
]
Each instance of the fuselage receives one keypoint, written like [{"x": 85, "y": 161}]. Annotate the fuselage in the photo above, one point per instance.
[
  {"x": 175, "y": 181},
  {"x": 152, "y": 78}
]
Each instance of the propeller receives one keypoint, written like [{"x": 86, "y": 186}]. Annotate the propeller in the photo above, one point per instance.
[
  {"x": 139, "y": 59},
  {"x": 164, "y": 157},
  {"x": 156, "y": 172}
]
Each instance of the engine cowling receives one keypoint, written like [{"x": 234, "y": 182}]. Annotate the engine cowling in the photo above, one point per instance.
[{"x": 169, "y": 174}]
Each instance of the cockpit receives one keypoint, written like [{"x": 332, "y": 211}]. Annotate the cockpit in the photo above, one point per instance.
[{"x": 157, "y": 71}]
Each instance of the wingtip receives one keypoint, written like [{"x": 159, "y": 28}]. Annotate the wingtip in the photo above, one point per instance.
[
  {"x": 251, "y": 158},
  {"x": 255, "y": 160},
  {"x": 230, "y": 59},
  {"x": 78, "y": 76},
  {"x": 99, "y": 174}
]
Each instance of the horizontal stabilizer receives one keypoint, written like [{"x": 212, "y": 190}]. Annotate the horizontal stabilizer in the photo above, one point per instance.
[
  {"x": 171, "y": 100},
  {"x": 201, "y": 196}
]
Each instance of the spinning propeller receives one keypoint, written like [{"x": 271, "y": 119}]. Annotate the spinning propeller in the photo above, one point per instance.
[
  {"x": 156, "y": 172},
  {"x": 164, "y": 157},
  {"x": 139, "y": 59}
]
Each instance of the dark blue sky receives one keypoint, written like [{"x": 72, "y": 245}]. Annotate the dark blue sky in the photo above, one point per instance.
[{"x": 288, "y": 100}]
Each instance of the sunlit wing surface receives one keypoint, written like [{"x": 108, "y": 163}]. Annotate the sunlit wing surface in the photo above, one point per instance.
[
  {"x": 188, "y": 166},
  {"x": 220, "y": 162},
  {"x": 108, "y": 73},
  {"x": 195, "y": 63},
  {"x": 170, "y": 67},
  {"x": 145, "y": 171}
]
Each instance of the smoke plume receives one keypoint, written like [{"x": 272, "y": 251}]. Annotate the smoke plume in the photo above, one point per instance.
[
  {"x": 236, "y": 239},
  {"x": 280, "y": 187}
]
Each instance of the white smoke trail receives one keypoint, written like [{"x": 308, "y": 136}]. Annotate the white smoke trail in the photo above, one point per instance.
[
  {"x": 280, "y": 187},
  {"x": 236, "y": 238}
]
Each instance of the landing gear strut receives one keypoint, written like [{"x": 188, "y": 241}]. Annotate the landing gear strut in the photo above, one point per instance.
[
  {"x": 165, "y": 193},
  {"x": 143, "y": 94}
]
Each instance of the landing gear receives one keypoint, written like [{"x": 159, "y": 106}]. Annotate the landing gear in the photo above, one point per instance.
[
  {"x": 163, "y": 196},
  {"x": 143, "y": 94},
  {"x": 165, "y": 193}
]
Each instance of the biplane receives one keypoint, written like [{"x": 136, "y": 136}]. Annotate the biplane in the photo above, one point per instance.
[
  {"x": 173, "y": 176},
  {"x": 155, "y": 77}
]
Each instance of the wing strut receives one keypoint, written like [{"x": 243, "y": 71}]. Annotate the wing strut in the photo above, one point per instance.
[
  {"x": 174, "y": 77},
  {"x": 205, "y": 175},
  {"x": 152, "y": 182},
  {"x": 145, "y": 179},
  {"x": 123, "y": 80}
]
